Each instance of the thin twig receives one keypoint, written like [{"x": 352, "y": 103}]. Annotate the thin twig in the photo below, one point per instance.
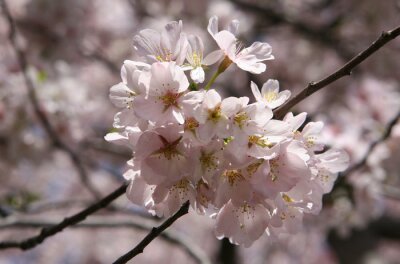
[
  {"x": 313, "y": 87},
  {"x": 57, "y": 142},
  {"x": 372, "y": 146},
  {"x": 45, "y": 206},
  {"x": 155, "y": 232},
  {"x": 341, "y": 181},
  {"x": 68, "y": 221},
  {"x": 171, "y": 236}
]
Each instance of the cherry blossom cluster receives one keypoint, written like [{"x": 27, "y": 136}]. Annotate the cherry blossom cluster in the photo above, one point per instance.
[{"x": 227, "y": 156}]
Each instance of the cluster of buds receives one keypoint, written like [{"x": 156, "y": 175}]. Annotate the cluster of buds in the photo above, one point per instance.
[{"x": 228, "y": 157}]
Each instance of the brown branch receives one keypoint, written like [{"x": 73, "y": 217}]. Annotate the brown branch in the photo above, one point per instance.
[
  {"x": 171, "y": 236},
  {"x": 68, "y": 221},
  {"x": 57, "y": 142},
  {"x": 155, "y": 232},
  {"x": 313, "y": 87}
]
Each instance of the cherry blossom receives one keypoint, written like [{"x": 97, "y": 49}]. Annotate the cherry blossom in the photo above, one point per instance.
[
  {"x": 248, "y": 59},
  {"x": 229, "y": 158},
  {"x": 270, "y": 94}
]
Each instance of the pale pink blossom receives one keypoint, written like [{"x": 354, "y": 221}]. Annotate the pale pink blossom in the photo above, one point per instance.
[
  {"x": 270, "y": 94},
  {"x": 123, "y": 93},
  {"x": 248, "y": 59},
  {"x": 212, "y": 120},
  {"x": 242, "y": 224},
  {"x": 194, "y": 57},
  {"x": 165, "y": 94},
  {"x": 161, "y": 155},
  {"x": 169, "y": 45}
]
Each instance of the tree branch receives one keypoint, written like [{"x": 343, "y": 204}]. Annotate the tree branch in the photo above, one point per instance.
[
  {"x": 341, "y": 181},
  {"x": 313, "y": 87},
  {"x": 45, "y": 206},
  {"x": 155, "y": 232},
  {"x": 57, "y": 142},
  {"x": 171, "y": 236},
  {"x": 68, "y": 221},
  {"x": 372, "y": 146}
]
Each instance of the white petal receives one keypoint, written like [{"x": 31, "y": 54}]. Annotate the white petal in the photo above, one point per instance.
[
  {"x": 233, "y": 27},
  {"x": 230, "y": 106},
  {"x": 295, "y": 121},
  {"x": 138, "y": 191},
  {"x": 150, "y": 109},
  {"x": 261, "y": 51},
  {"x": 121, "y": 95},
  {"x": 312, "y": 129},
  {"x": 197, "y": 75},
  {"x": 211, "y": 99},
  {"x": 249, "y": 64},
  {"x": 256, "y": 92},
  {"x": 227, "y": 42},
  {"x": 170, "y": 35},
  {"x": 147, "y": 42},
  {"x": 270, "y": 86},
  {"x": 334, "y": 160},
  {"x": 148, "y": 143},
  {"x": 116, "y": 137},
  {"x": 213, "y": 25},
  {"x": 213, "y": 57}
]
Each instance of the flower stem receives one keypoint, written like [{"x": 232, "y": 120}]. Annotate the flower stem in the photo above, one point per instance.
[
  {"x": 221, "y": 68},
  {"x": 212, "y": 80}
]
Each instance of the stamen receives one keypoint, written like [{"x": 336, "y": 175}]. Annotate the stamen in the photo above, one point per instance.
[
  {"x": 240, "y": 118},
  {"x": 214, "y": 114},
  {"x": 271, "y": 96},
  {"x": 233, "y": 176}
]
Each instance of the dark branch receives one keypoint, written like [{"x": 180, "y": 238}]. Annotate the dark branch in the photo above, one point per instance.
[
  {"x": 171, "y": 236},
  {"x": 45, "y": 206},
  {"x": 386, "y": 135},
  {"x": 341, "y": 181},
  {"x": 68, "y": 221},
  {"x": 313, "y": 87},
  {"x": 57, "y": 142},
  {"x": 155, "y": 232}
]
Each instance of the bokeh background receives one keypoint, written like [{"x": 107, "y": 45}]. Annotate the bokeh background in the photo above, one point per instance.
[{"x": 74, "y": 50}]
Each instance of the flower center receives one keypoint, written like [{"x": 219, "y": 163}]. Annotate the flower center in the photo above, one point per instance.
[
  {"x": 274, "y": 169},
  {"x": 196, "y": 59},
  {"x": 169, "y": 151},
  {"x": 240, "y": 119},
  {"x": 208, "y": 161},
  {"x": 252, "y": 168},
  {"x": 170, "y": 99},
  {"x": 214, "y": 114},
  {"x": 233, "y": 176},
  {"x": 270, "y": 96},
  {"x": 164, "y": 55},
  {"x": 287, "y": 198},
  {"x": 257, "y": 140},
  {"x": 180, "y": 188},
  {"x": 191, "y": 124}
]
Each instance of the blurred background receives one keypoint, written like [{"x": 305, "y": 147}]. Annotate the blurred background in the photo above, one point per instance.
[{"x": 74, "y": 50}]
